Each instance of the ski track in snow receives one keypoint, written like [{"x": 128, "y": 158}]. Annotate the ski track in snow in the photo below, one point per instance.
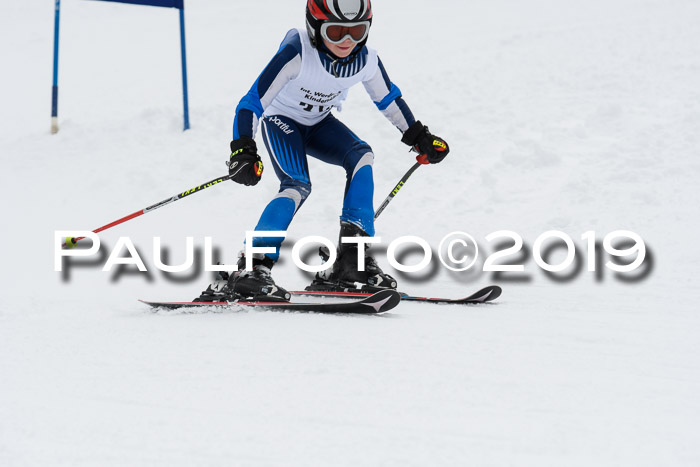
[{"x": 566, "y": 115}]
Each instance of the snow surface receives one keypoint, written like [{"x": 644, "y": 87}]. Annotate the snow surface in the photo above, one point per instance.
[{"x": 570, "y": 115}]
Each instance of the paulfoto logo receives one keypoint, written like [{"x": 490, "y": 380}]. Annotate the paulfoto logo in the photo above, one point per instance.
[{"x": 458, "y": 251}]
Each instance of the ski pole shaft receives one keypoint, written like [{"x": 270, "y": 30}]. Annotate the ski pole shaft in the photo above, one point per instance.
[
  {"x": 396, "y": 189},
  {"x": 70, "y": 242}
]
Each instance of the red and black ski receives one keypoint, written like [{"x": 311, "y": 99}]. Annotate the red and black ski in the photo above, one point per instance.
[
  {"x": 487, "y": 294},
  {"x": 379, "y": 302}
]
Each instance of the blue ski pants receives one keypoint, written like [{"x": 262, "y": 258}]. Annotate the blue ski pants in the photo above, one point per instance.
[{"x": 288, "y": 144}]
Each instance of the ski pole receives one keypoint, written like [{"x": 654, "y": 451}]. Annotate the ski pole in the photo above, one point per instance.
[
  {"x": 71, "y": 241},
  {"x": 421, "y": 161}
]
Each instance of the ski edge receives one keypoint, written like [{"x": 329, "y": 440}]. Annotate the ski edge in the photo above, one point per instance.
[
  {"x": 483, "y": 295},
  {"x": 379, "y": 302}
]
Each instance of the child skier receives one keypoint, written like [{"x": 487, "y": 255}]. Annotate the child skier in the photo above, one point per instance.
[{"x": 292, "y": 99}]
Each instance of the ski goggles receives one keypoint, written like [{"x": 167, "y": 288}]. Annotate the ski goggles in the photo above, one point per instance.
[{"x": 335, "y": 33}]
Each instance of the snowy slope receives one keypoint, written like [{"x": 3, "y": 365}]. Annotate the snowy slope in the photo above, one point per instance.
[{"x": 566, "y": 115}]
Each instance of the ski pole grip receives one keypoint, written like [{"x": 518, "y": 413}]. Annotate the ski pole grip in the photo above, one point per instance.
[{"x": 423, "y": 159}]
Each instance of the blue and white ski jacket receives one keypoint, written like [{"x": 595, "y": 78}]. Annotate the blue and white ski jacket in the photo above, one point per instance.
[{"x": 304, "y": 84}]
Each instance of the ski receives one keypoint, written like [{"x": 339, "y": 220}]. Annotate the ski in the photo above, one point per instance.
[
  {"x": 487, "y": 294},
  {"x": 379, "y": 302}
]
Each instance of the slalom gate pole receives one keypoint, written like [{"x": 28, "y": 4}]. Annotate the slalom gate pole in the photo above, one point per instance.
[
  {"x": 185, "y": 99},
  {"x": 422, "y": 160},
  {"x": 71, "y": 241},
  {"x": 54, "y": 88}
]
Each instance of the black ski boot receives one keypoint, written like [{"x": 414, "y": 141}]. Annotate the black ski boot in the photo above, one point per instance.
[
  {"x": 345, "y": 274},
  {"x": 217, "y": 291},
  {"x": 255, "y": 286}
]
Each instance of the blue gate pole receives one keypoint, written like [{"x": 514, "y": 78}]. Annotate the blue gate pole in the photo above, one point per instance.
[
  {"x": 184, "y": 68},
  {"x": 54, "y": 89}
]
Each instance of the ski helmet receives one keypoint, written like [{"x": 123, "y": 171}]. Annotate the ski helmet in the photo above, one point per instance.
[{"x": 320, "y": 12}]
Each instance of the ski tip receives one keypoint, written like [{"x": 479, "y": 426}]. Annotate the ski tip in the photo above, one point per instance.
[
  {"x": 382, "y": 301},
  {"x": 496, "y": 292},
  {"x": 487, "y": 294}
]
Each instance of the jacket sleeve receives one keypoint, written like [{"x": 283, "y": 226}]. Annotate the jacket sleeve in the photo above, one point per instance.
[
  {"x": 387, "y": 97},
  {"x": 284, "y": 66}
]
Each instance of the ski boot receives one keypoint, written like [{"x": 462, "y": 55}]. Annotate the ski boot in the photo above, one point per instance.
[
  {"x": 254, "y": 286},
  {"x": 217, "y": 291},
  {"x": 345, "y": 275}
]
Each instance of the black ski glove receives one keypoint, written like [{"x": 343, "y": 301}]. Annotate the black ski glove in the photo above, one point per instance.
[
  {"x": 245, "y": 166},
  {"x": 431, "y": 149}
]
